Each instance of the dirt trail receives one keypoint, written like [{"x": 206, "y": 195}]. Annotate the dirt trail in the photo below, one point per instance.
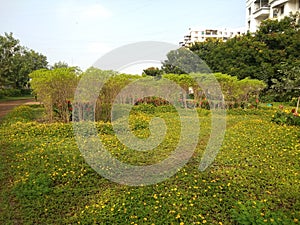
[{"x": 7, "y": 106}]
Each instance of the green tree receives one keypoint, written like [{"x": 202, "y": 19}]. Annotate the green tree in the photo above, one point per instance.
[
  {"x": 288, "y": 85},
  {"x": 152, "y": 71},
  {"x": 8, "y": 48},
  {"x": 24, "y": 63},
  {"x": 60, "y": 65},
  {"x": 16, "y": 62},
  {"x": 184, "y": 61},
  {"x": 203, "y": 49},
  {"x": 257, "y": 56}
]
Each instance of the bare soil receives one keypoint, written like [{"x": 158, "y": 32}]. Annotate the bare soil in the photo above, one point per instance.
[{"x": 7, "y": 106}]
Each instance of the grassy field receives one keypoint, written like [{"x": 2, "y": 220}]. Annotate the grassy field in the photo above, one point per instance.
[
  {"x": 255, "y": 178},
  {"x": 6, "y": 99}
]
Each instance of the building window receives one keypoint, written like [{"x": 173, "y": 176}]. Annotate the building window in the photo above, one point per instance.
[
  {"x": 282, "y": 10},
  {"x": 249, "y": 10},
  {"x": 249, "y": 24},
  {"x": 275, "y": 12}
]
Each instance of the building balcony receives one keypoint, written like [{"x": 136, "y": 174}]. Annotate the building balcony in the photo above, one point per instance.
[
  {"x": 275, "y": 3},
  {"x": 262, "y": 13}
]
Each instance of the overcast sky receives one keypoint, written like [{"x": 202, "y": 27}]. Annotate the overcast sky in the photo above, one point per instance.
[{"x": 79, "y": 32}]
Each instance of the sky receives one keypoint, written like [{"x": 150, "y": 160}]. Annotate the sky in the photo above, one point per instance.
[{"x": 80, "y": 32}]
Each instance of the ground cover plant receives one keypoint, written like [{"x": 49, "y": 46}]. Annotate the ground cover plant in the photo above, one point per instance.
[{"x": 255, "y": 178}]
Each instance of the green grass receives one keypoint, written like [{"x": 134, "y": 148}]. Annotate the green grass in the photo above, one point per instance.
[
  {"x": 5, "y": 99},
  {"x": 255, "y": 178}
]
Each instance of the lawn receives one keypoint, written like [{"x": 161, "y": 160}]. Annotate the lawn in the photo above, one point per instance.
[
  {"x": 255, "y": 178},
  {"x": 6, "y": 99}
]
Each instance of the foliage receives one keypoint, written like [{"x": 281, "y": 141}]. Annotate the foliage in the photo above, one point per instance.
[
  {"x": 184, "y": 61},
  {"x": 16, "y": 62},
  {"x": 288, "y": 117},
  {"x": 152, "y": 71},
  {"x": 60, "y": 65},
  {"x": 55, "y": 89},
  {"x": 257, "y": 56},
  {"x": 24, "y": 114},
  {"x": 10, "y": 92},
  {"x": 155, "y": 101},
  {"x": 45, "y": 180},
  {"x": 99, "y": 89},
  {"x": 8, "y": 47},
  {"x": 236, "y": 92},
  {"x": 257, "y": 213},
  {"x": 287, "y": 85},
  {"x": 294, "y": 101},
  {"x": 110, "y": 91},
  {"x": 203, "y": 49}
]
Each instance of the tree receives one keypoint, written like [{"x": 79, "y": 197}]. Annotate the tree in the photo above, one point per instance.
[
  {"x": 152, "y": 71},
  {"x": 203, "y": 49},
  {"x": 257, "y": 56},
  {"x": 8, "y": 48},
  {"x": 24, "y": 62},
  {"x": 60, "y": 65},
  {"x": 288, "y": 85},
  {"x": 16, "y": 62},
  {"x": 184, "y": 61}
]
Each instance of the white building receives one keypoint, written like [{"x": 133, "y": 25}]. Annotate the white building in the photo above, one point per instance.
[
  {"x": 259, "y": 10},
  {"x": 202, "y": 34}
]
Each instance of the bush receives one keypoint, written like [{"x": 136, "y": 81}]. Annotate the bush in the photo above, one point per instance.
[
  {"x": 165, "y": 108},
  {"x": 144, "y": 108},
  {"x": 286, "y": 117},
  {"x": 55, "y": 88},
  {"x": 155, "y": 101},
  {"x": 2, "y": 94},
  {"x": 23, "y": 113},
  {"x": 26, "y": 92},
  {"x": 293, "y": 102},
  {"x": 11, "y": 93}
]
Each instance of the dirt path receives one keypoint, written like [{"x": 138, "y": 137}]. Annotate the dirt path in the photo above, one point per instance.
[{"x": 6, "y": 107}]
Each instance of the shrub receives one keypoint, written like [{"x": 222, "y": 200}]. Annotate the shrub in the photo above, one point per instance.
[
  {"x": 155, "y": 101},
  {"x": 26, "y": 91},
  {"x": 293, "y": 102},
  {"x": 144, "y": 108},
  {"x": 11, "y": 93},
  {"x": 286, "y": 117},
  {"x": 55, "y": 88},
  {"x": 23, "y": 113},
  {"x": 2, "y": 94},
  {"x": 165, "y": 108}
]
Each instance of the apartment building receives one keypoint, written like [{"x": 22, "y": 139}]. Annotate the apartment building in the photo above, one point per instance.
[
  {"x": 202, "y": 34},
  {"x": 259, "y": 10}
]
